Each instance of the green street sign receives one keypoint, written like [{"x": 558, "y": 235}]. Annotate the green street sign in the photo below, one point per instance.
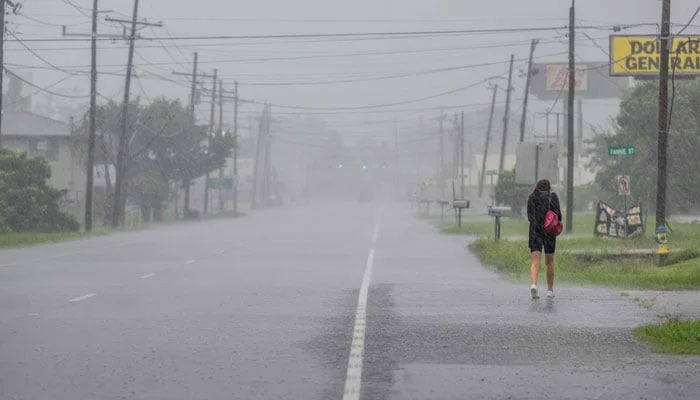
[
  {"x": 621, "y": 150},
  {"x": 491, "y": 172},
  {"x": 220, "y": 183}
]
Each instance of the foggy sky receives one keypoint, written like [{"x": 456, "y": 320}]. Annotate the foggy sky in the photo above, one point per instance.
[{"x": 208, "y": 17}]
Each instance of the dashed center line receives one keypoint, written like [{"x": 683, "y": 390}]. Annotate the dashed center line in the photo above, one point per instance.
[
  {"x": 151, "y": 275},
  {"x": 353, "y": 380},
  {"x": 81, "y": 298}
]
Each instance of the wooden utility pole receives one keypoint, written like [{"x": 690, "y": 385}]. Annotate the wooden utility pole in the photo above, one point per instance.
[
  {"x": 441, "y": 155},
  {"x": 257, "y": 161},
  {"x": 663, "y": 115},
  {"x": 235, "y": 151},
  {"x": 221, "y": 133},
  {"x": 461, "y": 158},
  {"x": 209, "y": 137},
  {"x": 2, "y": 59},
  {"x": 89, "y": 189},
  {"x": 506, "y": 118},
  {"x": 527, "y": 90},
  {"x": 488, "y": 140},
  {"x": 120, "y": 186},
  {"x": 570, "y": 122},
  {"x": 119, "y": 207},
  {"x": 195, "y": 75}
]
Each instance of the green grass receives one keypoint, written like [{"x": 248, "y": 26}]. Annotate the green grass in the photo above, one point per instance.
[
  {"x": 14, "y": 240},
  {"x": 605, "y": 267},
  {"x": 674, "y": 337},
  {"x": 584, "y": 259}
]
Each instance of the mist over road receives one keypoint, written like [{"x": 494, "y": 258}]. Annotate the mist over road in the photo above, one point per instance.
[{"x": 267, "y": 306}]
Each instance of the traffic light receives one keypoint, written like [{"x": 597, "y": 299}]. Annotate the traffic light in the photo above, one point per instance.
[
  {"x": 341, "y": 165},
  {"x": 364, "y": 166}
]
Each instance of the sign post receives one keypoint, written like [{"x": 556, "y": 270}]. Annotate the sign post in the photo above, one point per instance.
[{"x": 623, "y": 189}]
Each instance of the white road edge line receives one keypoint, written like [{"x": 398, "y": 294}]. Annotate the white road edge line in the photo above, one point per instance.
[
  {"x": 151, "y": 275},
  {"x": 353, "y": 380},
  {"x": 81, "y": 298}
]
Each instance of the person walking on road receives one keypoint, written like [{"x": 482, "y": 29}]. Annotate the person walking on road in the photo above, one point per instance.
[{"x": 539, "y": 202}]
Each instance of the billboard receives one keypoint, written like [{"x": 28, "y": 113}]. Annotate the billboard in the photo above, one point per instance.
[
  {"x": 557, "y": 77},
  {"x": 639, "y": 55},
  {"x": 550, "y": 81}
]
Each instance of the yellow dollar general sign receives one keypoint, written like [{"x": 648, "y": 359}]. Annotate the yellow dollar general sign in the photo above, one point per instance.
[{"x": 639, "y": 56}]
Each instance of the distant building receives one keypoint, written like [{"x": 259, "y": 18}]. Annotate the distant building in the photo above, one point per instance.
[{"x": 53, "y": 141}]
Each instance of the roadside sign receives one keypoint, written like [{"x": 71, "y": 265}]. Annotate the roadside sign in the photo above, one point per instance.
[
  {"x": 621, "y": 150},
  {"x": 623, "y": 185},
  {"x": 491, "y": 172},
  {"x": 220, "y": 183},
  {"x": 638, "y": 55}
]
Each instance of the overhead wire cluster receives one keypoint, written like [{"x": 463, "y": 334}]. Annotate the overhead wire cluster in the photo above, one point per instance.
[{"x": 174, "y": 47}]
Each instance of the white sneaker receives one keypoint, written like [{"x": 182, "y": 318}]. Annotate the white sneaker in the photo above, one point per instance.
[
  {"x": 550, "y": 294},
  {"x": 533, "y": 292}
]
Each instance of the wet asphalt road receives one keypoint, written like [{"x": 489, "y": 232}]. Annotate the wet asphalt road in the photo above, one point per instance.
[{"x": 264, "y": 307}]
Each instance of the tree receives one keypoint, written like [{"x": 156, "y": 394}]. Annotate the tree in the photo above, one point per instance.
[
  {"x": 27, "y": 203},
  {"x": 164, "y": 149},
  {"x": 511, "y": 194},
  {"x": 636, "y": 125}
]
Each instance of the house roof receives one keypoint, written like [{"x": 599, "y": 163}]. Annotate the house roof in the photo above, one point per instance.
[{"x": 27, "y": 124}]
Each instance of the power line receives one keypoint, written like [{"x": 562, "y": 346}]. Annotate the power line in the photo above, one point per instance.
[
  {"x": 42, "y": 89},
  {"x": 689, "y": 22},
  {"x": 352, "y": 35},
  {"x": 374, "y": 105}
]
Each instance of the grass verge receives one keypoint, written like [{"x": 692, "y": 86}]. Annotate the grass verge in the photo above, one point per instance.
[
  {"x": 14, "y": 240},
  {"x": 673, "y": 337},
  {"x": 512, "y": 258}
]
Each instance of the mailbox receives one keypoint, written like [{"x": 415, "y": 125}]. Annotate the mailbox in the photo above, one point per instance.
[
  {"x": 499, "y": 211},
  {"x": 459, "y": 204}
]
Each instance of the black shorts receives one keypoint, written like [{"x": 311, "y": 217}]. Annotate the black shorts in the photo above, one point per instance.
[{"x": 541, "y": 240}]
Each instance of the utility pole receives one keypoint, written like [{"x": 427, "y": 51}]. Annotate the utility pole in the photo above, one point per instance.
[
  {"x": 570, "y": 121},
  {"x": 488, "y": 139},
  {"x": 461, "y": 158},
  {"x": 527, "y": 89},
  {"x": 221, "y": 132},
  {"x": 257, "y": 161},
  {"x": 2, "y": 59},
  {"x": 441, "y": 156},
  {"x": 506, "y": 118},
  {"x": 235, "y": 151},
  {"x": 91, "y": 133},
  {"x": 120, "y": 186},
  {"x": 663, "y": 115},
  {"x": 194, "y": 75},
  {"x": 211, "y": 133}
]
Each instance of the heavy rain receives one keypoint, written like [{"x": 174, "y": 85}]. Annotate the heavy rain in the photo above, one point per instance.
[{"x": 376, "y": 199}]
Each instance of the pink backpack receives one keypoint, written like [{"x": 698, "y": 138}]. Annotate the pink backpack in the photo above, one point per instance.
[{"x": 552, "y": 224}]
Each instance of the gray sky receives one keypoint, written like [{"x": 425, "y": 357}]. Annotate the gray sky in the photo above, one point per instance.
[{"x": 266, "y": 68}]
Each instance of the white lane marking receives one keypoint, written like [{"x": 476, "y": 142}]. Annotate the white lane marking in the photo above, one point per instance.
[
  {"x": 221, "y": 252},
  {"x": 375, "y": 235},
  {"x": 353, "y": 380},
  {"x": 188, "y": 262},
  {"x": 151, "y": 275},
  {"x": 81, "y": 298},
  {"x": 33, "y": 314}
]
